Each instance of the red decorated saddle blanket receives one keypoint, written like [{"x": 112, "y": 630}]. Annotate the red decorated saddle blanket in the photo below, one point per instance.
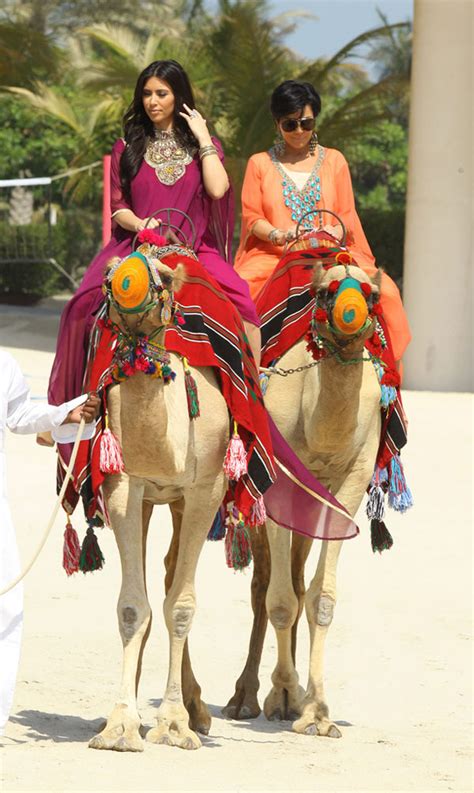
[
  {"x": 285, "y": 307},
  {"x": 211, "y": 334}
]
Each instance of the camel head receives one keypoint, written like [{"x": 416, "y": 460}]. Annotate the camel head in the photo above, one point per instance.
[
  {"x": 346, "y": 306},
  {"x": 140, "y": 291}
]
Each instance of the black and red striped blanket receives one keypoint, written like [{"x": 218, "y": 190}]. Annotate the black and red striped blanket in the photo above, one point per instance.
[{"x": 212, "y": 335}]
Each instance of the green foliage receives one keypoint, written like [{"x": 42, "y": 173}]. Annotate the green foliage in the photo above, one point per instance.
[
  {"x": 378, "y": 160},
  {"x": 385, "y": 231}
]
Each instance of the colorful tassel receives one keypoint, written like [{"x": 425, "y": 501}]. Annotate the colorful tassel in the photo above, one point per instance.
[
  {"x": 238, "y": 552},
  {"x": 380, "y": 536},
  {"x": 191, "y": 392},
  {"x": 91, "y": 556},
  {"x": 217, "y": 530},
  {"x": 376, "y": 504},
  {"x": 399, "y": 494},
  {"x": 235, "y": 462},
  {"x": 71, "y": 549},
  {"x": 110, "y": 459},
  {"x": 258, "y": 514}
]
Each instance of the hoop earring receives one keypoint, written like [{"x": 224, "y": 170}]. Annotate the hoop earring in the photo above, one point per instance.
[
  {"x": 278, "y": 143},
  {"x": 313, "y": 142}
]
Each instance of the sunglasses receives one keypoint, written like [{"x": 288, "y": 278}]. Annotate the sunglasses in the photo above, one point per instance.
[{"x": 290, "y": 124}]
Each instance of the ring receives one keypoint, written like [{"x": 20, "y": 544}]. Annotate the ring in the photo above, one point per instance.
[{"x": 193, "y": 113}]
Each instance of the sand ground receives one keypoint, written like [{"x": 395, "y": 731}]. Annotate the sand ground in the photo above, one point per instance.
[{"x": 398, "y": 661}]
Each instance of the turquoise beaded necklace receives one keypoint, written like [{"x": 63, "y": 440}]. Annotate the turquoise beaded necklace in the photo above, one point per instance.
[{"x": 300, "y": 201}]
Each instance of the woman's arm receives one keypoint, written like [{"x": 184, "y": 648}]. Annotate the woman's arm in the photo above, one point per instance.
[
  {"x": 253, "y": 214},
  {"x": 122, "y": 212},
  {"x": 214, "y": 175}
]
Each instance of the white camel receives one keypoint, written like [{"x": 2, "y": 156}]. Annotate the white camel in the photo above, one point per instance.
[
  {"x": 169, "y": 459},
  {"x": 330, "y": 416}
]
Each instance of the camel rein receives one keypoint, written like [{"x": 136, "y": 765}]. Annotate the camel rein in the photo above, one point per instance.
[{"x": 54, "y": 513}]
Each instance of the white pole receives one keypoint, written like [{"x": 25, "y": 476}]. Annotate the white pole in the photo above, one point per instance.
[{"x": 438, "y": 245}]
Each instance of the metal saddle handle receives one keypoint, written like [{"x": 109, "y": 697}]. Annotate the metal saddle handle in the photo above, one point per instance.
[
  {"x": 180, "y": 235},
  {"x": 319, "y": 212}
]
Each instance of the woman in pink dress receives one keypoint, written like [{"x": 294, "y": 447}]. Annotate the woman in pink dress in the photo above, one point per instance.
[{"x": 167, "y": 158}]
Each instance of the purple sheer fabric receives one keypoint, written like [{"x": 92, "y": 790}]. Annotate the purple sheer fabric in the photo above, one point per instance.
[
  {"x": 300, "y": 502},
  {"x": 213, "y": 221}
]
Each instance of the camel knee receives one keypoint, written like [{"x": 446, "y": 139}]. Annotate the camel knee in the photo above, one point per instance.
[
  {"x": 179, "y": 616},
  {"x": 283, "y": 615},
  {"x": 133, "y": 620},
  {"x": 323, "y": 610}
]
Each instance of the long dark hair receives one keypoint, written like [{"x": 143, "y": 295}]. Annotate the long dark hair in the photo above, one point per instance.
[
  {"x": 291, "y": 96},
  {"x": 137, "y": 126}
]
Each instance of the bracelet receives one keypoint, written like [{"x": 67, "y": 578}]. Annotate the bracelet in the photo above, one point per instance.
[
  {"x": 274, "y": 233},
  {"x": 205, "y": 151}
]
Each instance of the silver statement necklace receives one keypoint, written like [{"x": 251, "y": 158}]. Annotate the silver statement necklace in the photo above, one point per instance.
[{"x": 167, "y": 155}]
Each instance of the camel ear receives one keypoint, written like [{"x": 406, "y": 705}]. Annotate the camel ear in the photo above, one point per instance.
[
  {"x": 318, "y": 275},
  {"x": 179, "y": 277},
  {"x": 377, "y": 280},
  {"x": 110, "y": 263}
]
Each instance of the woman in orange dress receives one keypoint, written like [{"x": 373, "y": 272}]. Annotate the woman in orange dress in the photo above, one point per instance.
[{"x": 295, "y": 176}]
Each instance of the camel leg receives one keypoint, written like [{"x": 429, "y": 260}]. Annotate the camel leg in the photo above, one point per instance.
[
  {"x": 172, "y": 717},
  {"x": 199, "y": 716},
  {"x": 321, "y": 599},
  {"x": 244, "y": 703},
  {"x": 285, "y": 698},
  {"x": 124, "y": 500},
  {"x": 320, "y": 603},
  {"x": 300, "y": 548}
]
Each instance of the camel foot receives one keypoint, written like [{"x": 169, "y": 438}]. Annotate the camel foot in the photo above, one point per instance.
[
  {"x": 173, "y": 727},
  {"x": 199, "y": 716},
  {"x": 120, "y": 734},
  {"x": 283, "y": 704},
  {"x": 243, "y": 705},
  {"x": 311, "y": 724}
]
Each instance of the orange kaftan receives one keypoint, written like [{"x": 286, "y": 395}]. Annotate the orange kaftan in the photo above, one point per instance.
[{"x": 262, "y": 199}]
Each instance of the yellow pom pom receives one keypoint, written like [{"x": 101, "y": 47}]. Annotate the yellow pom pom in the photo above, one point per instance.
[
  {"x": 350, "y": 311},
  {"x": 130, "y": 283}
]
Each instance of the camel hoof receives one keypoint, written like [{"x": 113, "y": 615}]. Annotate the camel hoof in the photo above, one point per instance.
[
  {"x": 125, "y": 745},
  {"x": 98, "y": 742},
  {"x": 334, "y": 732},
  {"x": 311, "y": 729},
  {"x": 242, "y": 708},
  {"x": 189, "y": 744},
  {"x": 275, "y": 715},
  {"x": 199, "y": 717}
]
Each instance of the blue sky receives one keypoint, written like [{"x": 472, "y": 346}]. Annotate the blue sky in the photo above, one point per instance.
[{"x": 338, "y": 21}]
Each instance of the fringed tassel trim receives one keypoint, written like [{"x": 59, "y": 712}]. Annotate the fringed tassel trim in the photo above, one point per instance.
[
  {"x": 235, "y": 461},
  {"x": 399, "y": 494},
  {"x": 217, "y": 530},
  {"x": 380, "y": 536},
  {"x": 71, "y": 549},
  {"x": 238, "y": 552},
  {"x": 110, "y": 459},
  {"x": 191, "y": 392},
  {"x": 91, "y": 556}
]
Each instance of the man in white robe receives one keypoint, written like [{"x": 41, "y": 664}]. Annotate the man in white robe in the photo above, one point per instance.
[{"x": 20, "y": 415}]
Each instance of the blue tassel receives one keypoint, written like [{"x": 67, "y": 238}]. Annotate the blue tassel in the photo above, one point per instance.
[
  {"x": 388, "y": 395},
  {"x": 217, "y": 530},
  {"x": 399, "y": 495}
]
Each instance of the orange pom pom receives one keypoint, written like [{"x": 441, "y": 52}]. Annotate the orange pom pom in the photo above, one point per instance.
[
  {"x": 350, "y": 311},
  {"x": 130, "y": 282}
]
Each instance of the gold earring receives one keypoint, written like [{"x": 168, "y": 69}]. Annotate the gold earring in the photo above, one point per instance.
[{"x": 313, "y": 142}]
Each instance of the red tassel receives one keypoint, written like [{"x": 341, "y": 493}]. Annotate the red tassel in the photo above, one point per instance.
[
  {"x": 110, "y": 460},
  {"x": 235, "y": 461},
  {"x": 71, "y": 550},
  {"x": 258, "y": 514}
]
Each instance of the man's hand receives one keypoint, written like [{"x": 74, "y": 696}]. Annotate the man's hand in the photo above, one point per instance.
[{"x": 89, "y": 410}]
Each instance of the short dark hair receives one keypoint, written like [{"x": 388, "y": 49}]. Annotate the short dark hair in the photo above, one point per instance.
[{"x": 291, "y": 96}]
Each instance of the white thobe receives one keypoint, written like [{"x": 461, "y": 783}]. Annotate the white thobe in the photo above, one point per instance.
[{"x": 21, "y": 416}]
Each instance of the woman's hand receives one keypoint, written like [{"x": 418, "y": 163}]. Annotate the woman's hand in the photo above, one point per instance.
[
  {"x": 335, "y": 231},
  {"x": 149, "y": 223},
  {"x": 89, "y": 410},
  {"x": 197, "y": 124}
]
